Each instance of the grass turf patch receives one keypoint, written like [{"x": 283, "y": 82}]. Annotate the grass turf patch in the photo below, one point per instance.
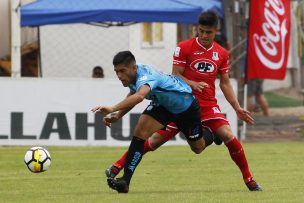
[
  {"x": 170, "y": 174},
  {"x": 275, "y": 100}
]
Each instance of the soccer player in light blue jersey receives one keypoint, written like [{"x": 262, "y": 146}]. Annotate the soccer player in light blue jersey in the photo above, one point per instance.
[{"x": 171, "y": 101}]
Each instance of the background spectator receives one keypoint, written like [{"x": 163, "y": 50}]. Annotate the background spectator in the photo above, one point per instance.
[
  {"x": 97, "y": 72},
  {"x": 255, "y": 90}
]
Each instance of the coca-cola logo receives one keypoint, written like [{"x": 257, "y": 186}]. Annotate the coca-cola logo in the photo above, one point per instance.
[{"x": 269, "y": 45}]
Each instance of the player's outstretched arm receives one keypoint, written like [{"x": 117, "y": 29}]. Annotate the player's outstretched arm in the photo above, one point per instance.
[
  {"x": 228, "y": 92},
  {"x": 125, "y": 104}
]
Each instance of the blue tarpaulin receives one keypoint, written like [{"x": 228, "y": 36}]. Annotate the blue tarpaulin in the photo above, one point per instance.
[{"x": 44, "y": 12}]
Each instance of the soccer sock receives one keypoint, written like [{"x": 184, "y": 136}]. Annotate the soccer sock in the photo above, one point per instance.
[
  {"x": 238, "y": 156},
  {"x": 208, "y": 137},
  {"x": 121, "y": 162},
  {"x": 133, "y": 158}
]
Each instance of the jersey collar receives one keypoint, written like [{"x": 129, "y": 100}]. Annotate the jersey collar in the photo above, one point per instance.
[{"x": 199, "y": 44}]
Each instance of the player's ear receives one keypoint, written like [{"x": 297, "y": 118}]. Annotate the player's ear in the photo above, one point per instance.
[{"x": 134, "y": 66}]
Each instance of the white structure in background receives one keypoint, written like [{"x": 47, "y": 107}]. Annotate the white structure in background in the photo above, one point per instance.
[
  {"x": 73, "y": 50},
  {"x": 57, "y": 112},
  {"x": 65, "y": 53}
]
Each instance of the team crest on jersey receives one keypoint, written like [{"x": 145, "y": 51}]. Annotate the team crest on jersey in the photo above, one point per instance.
[
  {"x": 215, "y": 56},
  {"x": 216, "y": 110},
  {"x": 177, "y": 51}
]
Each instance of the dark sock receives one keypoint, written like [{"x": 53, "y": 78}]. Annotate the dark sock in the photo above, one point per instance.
[
  {"x": 134, "y": 156},
  {"x": 122, "y": 161},
  {"x": 208, "y": 136}
]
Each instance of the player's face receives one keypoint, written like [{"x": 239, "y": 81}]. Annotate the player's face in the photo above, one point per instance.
[
  {"x": 206, "y": 34},
  {"x": 126, "y": 74}
]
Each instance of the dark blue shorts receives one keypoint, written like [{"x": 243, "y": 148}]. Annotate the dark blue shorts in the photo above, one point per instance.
[{"x": 189, "y": 121}]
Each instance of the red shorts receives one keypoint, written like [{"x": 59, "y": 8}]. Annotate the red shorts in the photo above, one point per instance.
[{"x": 211, "y": 118}]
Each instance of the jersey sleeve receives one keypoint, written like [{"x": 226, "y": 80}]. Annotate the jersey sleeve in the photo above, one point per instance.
[
  {"x": 180, "y": 56},
  {"x": 150, "y": 80},
  {"x": 225, "y": 63}
]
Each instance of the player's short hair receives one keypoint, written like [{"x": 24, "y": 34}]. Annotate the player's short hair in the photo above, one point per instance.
[
  {"x": 208, "y": 18},
  {"x": 124, "y": 57}
]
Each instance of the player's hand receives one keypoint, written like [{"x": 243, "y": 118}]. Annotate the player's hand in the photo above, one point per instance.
[
  {"x": 245, "y": 115},
  {"x": 198, "y": 86},
  {"x": 104, "y": 110},
  {"x": 107, "y": 120}
]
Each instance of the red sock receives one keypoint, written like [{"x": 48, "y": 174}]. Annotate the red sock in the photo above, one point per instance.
[
  {"x": 121, "y": 162},
  {"x": 238, "y": 156}
]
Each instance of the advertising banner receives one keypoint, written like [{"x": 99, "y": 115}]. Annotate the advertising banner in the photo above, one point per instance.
[
  {"x": 57, "y": 112},
  {"x": 268, "y": 39}
]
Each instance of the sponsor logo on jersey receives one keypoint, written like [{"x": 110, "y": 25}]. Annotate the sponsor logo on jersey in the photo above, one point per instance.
[
  {"x": 204, "y": 66},
  {"x": 143, "y": 78},
  {"x": 198, "y": 52},
  {"x": 177, "y": 51},
  {"x": 215, "y": 56}
]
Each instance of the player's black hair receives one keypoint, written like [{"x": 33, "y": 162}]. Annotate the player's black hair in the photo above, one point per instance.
[
  {"x": 208, "y": 18},
  {"x": 124, "y": 57}
]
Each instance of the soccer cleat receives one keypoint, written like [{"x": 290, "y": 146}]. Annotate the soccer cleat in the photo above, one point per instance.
[
  {"x": 253, "y": 185},
  {"x": 112, "y": 171},
  {"x": 217, "y": 140},
  {"x": 119, "y": 184}
]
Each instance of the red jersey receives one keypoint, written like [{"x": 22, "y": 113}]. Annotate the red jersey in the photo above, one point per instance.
[{"x": 202, "y": 65}]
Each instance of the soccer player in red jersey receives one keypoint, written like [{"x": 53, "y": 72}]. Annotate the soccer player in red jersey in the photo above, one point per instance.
[{"x": 198, "y": 61}]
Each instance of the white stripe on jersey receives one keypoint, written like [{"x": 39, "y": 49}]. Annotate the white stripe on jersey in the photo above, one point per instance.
[{"x": 179, "y": 61}]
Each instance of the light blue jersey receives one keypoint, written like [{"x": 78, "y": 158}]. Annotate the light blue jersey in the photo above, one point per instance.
[{"x": 168, "y": 91}]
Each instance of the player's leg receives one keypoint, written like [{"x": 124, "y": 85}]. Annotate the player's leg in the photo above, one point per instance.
[
  {"x": 152, "y": 119},
  {"x": 146, "y": 126},
  {"x": 151, "y": 144},
  {"x": 237, "y": 153},
  {"x": 189, "y": 122}
]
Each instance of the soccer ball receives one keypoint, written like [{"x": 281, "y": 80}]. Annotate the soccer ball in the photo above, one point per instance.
[{"x": 37, "y": 159}]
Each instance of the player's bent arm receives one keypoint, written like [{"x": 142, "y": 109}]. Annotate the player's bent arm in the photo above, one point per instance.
[
  {"x": 228, "y": 92},
  {"x": 133, "y": 99},
  {"x": 178, "y": 71},
  {"x": 123, "y": 112},
  {"x": 199, "y": 86}
]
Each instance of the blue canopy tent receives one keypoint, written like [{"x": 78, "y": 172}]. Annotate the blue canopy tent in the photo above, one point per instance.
[
  {"x": 123, "y": 12},
  {"x": 44, "y": 12}
]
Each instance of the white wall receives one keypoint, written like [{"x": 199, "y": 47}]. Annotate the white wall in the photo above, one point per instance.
[
  {"x": 73, "y": 50},
  {"x": 159, "y": 57},
  {"x": 45, "y": 111},
  {"x": 28, "y": 35}
]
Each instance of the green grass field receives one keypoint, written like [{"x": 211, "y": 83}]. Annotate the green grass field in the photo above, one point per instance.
[
  {"x": 278, "y": 101},
  {"x": 170, "y": 174}
]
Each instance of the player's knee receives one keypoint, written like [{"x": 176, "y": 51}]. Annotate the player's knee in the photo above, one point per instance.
[
  {"x": 197, "y": 150},
  {"x": 141, "y": 133},
  {"x": 153, "y": 145}
]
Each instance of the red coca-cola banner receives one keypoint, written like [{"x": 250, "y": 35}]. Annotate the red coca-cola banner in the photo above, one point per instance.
[{"x": 268, "y": 39}]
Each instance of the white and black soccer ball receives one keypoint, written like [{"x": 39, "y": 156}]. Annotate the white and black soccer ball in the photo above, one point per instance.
[{"x": 37, "y": 159}]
